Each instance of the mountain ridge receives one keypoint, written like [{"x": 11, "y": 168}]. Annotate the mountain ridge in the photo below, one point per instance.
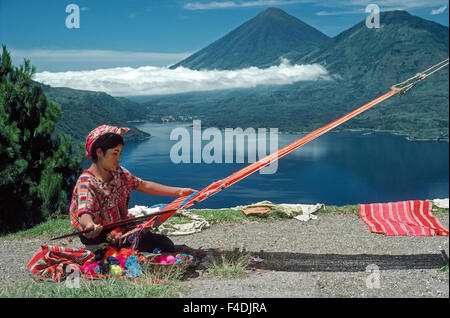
[
  {"x": 400, "y": 33},
  {"x": 367, "y": 61}
]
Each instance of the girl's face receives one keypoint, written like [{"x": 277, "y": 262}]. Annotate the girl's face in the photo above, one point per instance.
[{"x": 110, "y": 160}]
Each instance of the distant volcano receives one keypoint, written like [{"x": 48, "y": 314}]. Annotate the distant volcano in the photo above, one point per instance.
[{"x": 261, "y": 41}]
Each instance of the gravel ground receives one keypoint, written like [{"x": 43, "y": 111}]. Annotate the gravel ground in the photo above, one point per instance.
[
  {"x": 327, "y": 257},
  {"x": 333, "y": 256}
]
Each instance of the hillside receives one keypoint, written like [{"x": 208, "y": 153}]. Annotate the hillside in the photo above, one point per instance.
[{"x": 82, "y": 111}]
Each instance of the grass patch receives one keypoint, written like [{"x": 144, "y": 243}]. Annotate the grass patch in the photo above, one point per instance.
[
  {"x": 346, "y": 209},
  {"x": 439, "y": 211},
  {"x": 228, "y": 264},
  {"x": 232, "y": 216},
  {"x": 52, "y": 227},
  {"x": 153, "y": 284},
  {"x": 444, "y": 269},
  {"x": 105, "y": 288},
  {"x": 223, "y": 216}
]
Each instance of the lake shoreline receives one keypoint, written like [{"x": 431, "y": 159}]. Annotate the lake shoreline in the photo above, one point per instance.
[{"x": 289, "y": 132}]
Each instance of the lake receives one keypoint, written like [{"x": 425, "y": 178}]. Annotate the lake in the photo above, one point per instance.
[{"x": 335, "y": 169}]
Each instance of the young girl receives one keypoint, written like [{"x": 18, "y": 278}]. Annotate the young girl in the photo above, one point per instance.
[{"x": 102, "y": 192}]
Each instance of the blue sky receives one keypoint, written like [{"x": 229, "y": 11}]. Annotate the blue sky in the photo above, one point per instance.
[
  {"x": 137, "y": 33},
  {"x": 172, "y": 26}
]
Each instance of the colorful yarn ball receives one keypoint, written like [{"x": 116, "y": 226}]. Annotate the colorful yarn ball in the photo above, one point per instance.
[{"x": 115, "y": 270}]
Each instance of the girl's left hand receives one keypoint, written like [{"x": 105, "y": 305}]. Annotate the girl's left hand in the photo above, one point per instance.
[
  {"x": 115, "y": 235},
  {"x": 185, "y": 191}
]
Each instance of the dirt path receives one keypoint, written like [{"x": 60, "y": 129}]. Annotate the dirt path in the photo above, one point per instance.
[{"x": 333, "y": 256}]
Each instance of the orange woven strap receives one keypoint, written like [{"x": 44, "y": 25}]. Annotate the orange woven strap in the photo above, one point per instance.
[{"x": 239, "y": 175}]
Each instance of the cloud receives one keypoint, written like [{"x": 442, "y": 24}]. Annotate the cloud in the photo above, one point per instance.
[
  {"x": 439, "y": 11},
  {"x": 65, "y": 60},
  {"x": 404, "y": 4},
  {"x": 328, "y": 13},
  {"x": 209, "y": 6},
  {"x": 388, "y": 4},
  {"x": 239, "y": 4},
  {"x": 344, "y": 7},
  {"x": 150, "y": 80}
]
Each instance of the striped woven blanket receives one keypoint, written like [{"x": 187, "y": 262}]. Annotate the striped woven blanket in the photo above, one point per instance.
[
  {"x": 406, "y": 218},
  {"x": 56, "y": 263}
]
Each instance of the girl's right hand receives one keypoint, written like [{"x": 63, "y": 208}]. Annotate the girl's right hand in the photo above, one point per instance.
[{"x": 96, "y": 229}]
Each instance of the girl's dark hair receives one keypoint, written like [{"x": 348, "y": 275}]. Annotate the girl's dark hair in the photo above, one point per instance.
[{"x": 105, "y": 142}]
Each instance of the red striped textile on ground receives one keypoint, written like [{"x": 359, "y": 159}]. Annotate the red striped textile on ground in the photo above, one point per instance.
[
  {"x": 56, "y": 263},
  {"x": 406, "y": 218}
]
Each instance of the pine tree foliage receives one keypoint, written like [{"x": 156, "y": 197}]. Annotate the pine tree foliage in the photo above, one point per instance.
[{"x": 37, "y": 173}]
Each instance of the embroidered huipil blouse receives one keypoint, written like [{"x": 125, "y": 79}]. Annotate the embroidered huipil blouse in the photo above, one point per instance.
[{"x": 106, "y": 202}]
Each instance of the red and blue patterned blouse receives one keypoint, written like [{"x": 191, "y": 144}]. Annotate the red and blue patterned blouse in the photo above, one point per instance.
[{"x": 106, "y": 202}]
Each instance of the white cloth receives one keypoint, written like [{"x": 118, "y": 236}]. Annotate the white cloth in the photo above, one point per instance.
[
  {"x": 441, "y": 203},
  {"x": 199, "y": 223},
  {"x": 307, "y": 210},
  {"x": 140, "y": 210}
]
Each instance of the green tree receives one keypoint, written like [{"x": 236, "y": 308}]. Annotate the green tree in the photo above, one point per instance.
[{"x": 37, "y": 172}]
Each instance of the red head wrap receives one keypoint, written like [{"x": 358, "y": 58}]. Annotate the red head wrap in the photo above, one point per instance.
[{"x": 99, "y": 131}]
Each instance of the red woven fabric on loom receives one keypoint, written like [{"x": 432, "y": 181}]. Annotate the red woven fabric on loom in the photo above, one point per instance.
[{"x": 406, "y": 218}]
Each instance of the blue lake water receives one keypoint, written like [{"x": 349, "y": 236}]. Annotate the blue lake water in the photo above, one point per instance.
[{"x": 335, "y": 169}]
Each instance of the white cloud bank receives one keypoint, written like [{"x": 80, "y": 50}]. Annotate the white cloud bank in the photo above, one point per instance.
[
  {"x": 439, "y": 11},
  {"x": 329, "y": 13},
  {"x": 150, "y": 80},
  {"x": 239, "y": 4}
]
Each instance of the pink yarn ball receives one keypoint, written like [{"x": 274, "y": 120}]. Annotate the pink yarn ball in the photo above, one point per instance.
[{"x": 170, "y": 259}]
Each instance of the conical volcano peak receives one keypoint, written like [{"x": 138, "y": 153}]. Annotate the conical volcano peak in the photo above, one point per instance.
[
  {"x": 276, "y": 14},
  {"x": 273, "y": 12},
  {"x": 260, "y": 41}
]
